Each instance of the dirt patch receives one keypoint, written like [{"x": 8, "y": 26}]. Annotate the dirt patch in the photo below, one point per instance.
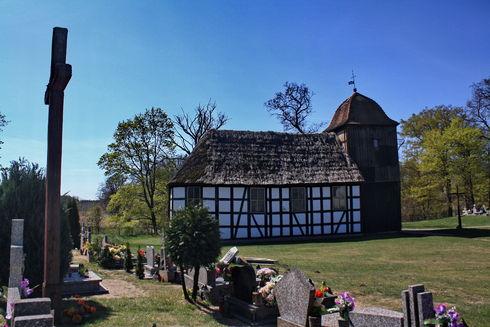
[{"x": 120, "y": 288}]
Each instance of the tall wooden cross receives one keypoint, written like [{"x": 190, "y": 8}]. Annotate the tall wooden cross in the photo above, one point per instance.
[{"x": 58, "y": 80}]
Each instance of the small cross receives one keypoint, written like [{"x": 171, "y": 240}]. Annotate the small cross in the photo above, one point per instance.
[{"x": 353, "y": 81}]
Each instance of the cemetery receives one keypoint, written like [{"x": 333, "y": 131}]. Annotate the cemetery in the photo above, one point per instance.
[{"x": 359, "y": 221}]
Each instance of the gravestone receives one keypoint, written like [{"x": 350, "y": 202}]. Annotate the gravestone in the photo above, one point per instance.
[
  {"x": 150, "y": 262},
  {"x": 16, "y": 253},
  {"x": 417, "y": 306},
  {"x": 425, "y": 307},
  {"x": 294, "y": 295},
  {"x": 229, "y": 256},
  {"x": 244, "y": 281},
  {"x": 374, "y": 316}
]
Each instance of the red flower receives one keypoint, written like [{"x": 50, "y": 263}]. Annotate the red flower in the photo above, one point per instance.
[{"x": 318, "y": 293}]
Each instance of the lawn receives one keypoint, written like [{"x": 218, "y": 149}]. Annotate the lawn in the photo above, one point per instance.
[
  {"x": 451, "y": 222},
  {"x": 454, "y": 266}
]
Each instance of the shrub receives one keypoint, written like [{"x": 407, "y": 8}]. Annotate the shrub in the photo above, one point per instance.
[
  {"x": 128, "y": 259},
  {"x": 193, "y": 240},
  {"x": 140, "y": 271},
  {"x": 22, "y": 196}
]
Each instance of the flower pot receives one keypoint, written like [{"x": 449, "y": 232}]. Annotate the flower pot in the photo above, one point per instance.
[
  {"x": 315, "y": 321},
  {"x": 343, "y": 323},
  {"x": 329, "y": 301}
]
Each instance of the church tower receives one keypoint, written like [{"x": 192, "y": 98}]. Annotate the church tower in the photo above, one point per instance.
[{"x": 370, "y": 138}]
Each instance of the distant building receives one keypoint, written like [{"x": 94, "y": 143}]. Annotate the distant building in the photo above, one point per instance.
[{"x": 270, "y": 185}]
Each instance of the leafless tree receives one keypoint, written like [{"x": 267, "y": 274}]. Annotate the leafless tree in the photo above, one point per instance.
[
  {"x": 478, "y": 107},
  {"x": 189, "y": 129},
  {"x": 292, "y": 107}
]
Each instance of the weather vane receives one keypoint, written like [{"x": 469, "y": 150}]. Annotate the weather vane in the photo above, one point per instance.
[{"x": 353, "y": 81}]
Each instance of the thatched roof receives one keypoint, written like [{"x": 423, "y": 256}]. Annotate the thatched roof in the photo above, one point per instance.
[
  {"x": 267, "y": 158},
  {"x": 359, "y": 109}
]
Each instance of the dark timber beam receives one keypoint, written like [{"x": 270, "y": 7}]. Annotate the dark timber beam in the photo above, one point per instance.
[{"x": 54, "y": 96}]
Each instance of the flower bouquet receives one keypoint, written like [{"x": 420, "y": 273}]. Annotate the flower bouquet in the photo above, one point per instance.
[{"x": 446, "y": 317}]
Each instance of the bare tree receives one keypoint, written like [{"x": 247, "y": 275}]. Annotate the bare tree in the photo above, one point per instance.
[
  {"x": 478, "y": 107},
  {"x": 292, "y": 107},
  {"x": 191, "y": 128}
]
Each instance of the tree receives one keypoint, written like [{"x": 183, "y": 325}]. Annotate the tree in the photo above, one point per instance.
[
  {"x": 70, "y": 206},
  {"x": 193, "y": 240},
  {"x": 292, "y": 107},
  {"x": 140, "y": 146},
  {"x": 94, "y": 217},
  {"x": 22, "y": 190},
  {"x": 110, "y": 186},
  {"x": 3, "y": 123},
  {"x": 190, "y": 129},
  {"x": 478, "y": 107},
  {"x": 128, "y": 209}
]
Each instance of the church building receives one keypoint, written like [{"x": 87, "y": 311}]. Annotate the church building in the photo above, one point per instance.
[{"x": 268, "y": 185}]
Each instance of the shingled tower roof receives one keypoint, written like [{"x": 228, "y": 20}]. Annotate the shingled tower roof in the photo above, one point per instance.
[
  {"x": 358, "y": 109},
  {"x": 267, "y": 158}
]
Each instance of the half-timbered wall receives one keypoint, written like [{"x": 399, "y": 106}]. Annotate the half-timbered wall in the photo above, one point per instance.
[{"x": 231, "y": 206}]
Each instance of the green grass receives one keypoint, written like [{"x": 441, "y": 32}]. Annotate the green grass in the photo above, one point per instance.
[
  {"x": 455, "y": 266},
  {"x": 451, "y": 222}
]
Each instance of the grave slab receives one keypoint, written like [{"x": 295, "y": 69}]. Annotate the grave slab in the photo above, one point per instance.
[{"x": 374, "y": 316}]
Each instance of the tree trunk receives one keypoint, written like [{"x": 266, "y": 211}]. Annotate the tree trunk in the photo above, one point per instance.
[
  {"x": 195, "y": 285},
  {"x": 153, "y": 222},
  {"x": 449, "y": 202},
  {"x": 182, "y": 282}
]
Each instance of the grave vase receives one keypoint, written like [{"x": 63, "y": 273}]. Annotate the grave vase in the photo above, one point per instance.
[{"x": 315, "y": 321}]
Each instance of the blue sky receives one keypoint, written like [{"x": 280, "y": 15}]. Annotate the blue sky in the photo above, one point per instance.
[{"x": 132, "y": 55}]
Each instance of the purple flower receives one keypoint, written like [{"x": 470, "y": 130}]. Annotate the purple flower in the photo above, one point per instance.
[
  {"x": 24, "y": 288},
  {"x": 441, "y": 309}
]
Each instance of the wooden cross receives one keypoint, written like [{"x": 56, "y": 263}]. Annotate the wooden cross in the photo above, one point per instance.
[{"x": 58, "y": 80}]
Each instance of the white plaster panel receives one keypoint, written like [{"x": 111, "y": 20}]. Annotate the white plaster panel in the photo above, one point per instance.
[
  {"x": 327, "y": 229},
  {"x": 326, "y": 204},
  {"x": 285, "y": 205},
  {"x": 356, "y": 204},
  {"x": 316, "y": 205},
  {"x": 276, "y": 219},
  {"x": 224, "y": 192},
  {"x": 317, "y": 230},
  {"x": 285, "y": 231},
  {"x": 224, "y": 206},
  {"x": 275, "y": 193},
  {"x": 327, "y": 218},
  {"x": 276, "y": 231},
  {"x": 208, "y": 192},
  {"x": 296, "y": 231},
  {"x": 356, "y": 190},
  {"x": 209, "y": 204},
  {"x": 242, "y": 233},
  {"x": 225, "y": 233},
  {"x": 285, "y": 193},
  {"x": 224, "y": 219},
  {"x": 356, "y": 216},
  {"x": 337, "y": 215},
  {"x": 238, "y": 192},
  {"x": 315, "y": 192},
  {"x": 317, "y": 218},
  {"x": 242, "y": 222},
  {"x": 275, "y": 206},
  {"x": 178, "y": 192},
  {"x": 326, "y": 191},
  {"x": 260, "y": 219},
  {"x": 301, "y": 218},
  {"x": 178, "y": 204},
  {"x": 285, "y": 219},
  {"x": 254, "y": 232},
  {"x": 237, "y": 204},
  {"x": 342, "y": 229},
  {"x": 357, "y": 228}
]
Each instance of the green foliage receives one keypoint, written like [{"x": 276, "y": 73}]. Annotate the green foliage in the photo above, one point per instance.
[
  {"x": 128, "y": 259},
  {"x": 141, "y": 145},
  {"x": 140, "y": 272},
  {"x": 70, "y": 206},
  {"x": 193, "y": 239},
  {"x": 442, "y": 151},
  {"x": 22, "y": 190}
]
